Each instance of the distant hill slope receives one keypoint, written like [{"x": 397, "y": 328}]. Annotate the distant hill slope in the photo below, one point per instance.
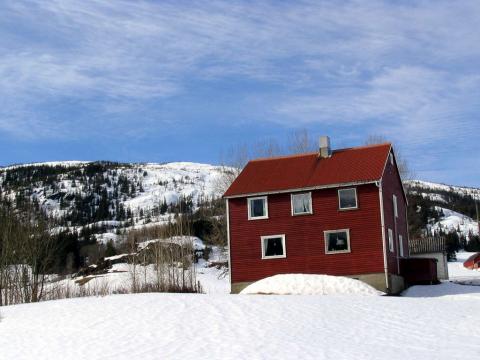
[
  {"x": 121, "y": 195},
  {"x": 441, "y": 208},
  {"x": 111, "y": 194}
]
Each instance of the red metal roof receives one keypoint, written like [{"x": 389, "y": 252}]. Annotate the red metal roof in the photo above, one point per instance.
[
  {"x": 352, "y": 165},
  {"x": 473, "y": 261}
]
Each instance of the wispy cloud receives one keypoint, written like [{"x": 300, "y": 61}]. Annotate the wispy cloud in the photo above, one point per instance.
[{"x": 400, "y": 68}]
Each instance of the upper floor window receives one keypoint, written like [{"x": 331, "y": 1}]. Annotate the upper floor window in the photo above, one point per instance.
[
  {"x": 347, "y": 199},
  {"x": 395, "y": 206},
  {"x": 337, "y": 241},
  {"x": 302, "y": 203},
  {"x": 390, "y": 157},
  {"x": 257, "y": 208}
]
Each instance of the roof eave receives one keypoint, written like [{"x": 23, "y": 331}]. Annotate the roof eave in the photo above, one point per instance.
[{"x": 309, "y": 188}]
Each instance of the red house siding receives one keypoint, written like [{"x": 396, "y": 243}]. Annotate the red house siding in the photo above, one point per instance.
[
  {"x": 391, "y": 185},
  {"x": 304, "y": 236}
]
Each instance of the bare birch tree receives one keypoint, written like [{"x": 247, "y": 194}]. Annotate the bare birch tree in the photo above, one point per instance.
[{"x": 404, "y": 169}]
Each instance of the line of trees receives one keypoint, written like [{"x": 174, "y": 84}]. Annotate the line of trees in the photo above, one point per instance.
[{"x": 27, "y": 254}]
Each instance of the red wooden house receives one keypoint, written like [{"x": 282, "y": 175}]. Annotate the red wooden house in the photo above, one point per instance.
[{"x": 340, "y": 212}]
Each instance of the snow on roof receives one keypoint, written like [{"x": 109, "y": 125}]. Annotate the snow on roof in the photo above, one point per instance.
[{"x": 309, "y": 284}]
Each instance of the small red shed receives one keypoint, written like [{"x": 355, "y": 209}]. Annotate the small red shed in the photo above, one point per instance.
[
  {"x": 340, "y": 212},
  {"x": 473, "y": 262}
]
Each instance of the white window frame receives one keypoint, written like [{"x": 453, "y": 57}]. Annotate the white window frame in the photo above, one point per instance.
[
  {"x": 249, "y": 200},
  {"x": 293, "y": 207},
  {"x": 390, "y": 240},
  {"x": 266, "y": 237},
  {"x": 356, "y": 199},
  {"x": 395, "y": 205},
  {"x": 390, "y": 157},
  {"x": 325, "y": 238},
  {"x": 400, "y": 245}
]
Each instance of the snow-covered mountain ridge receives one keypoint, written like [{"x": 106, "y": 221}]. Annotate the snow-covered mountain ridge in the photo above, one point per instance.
[
  {"x": 112, "y": 195},
  {"x": 122, "y": 195},
  {"x": 432, "y": 187}
]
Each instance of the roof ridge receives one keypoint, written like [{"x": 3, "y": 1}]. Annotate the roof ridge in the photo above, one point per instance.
[
  {"x": 366, "y": 146},
  {"x": 279, "y": 157},
  {"x": 284, "y": 156}
]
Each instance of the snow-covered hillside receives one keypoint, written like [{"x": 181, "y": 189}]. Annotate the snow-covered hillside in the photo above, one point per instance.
[
  {"x": 443, "y": 208},
  {"x": 155, "y": 183},
  {"x": 454, "y": 221},
  {"x": 109, "y": 197}
]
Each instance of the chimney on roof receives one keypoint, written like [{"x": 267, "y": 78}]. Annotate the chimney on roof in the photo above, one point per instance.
[{"x": 324, "y": 150}]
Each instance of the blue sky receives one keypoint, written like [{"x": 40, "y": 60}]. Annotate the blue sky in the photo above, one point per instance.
[{"x": 186, "y": 81}]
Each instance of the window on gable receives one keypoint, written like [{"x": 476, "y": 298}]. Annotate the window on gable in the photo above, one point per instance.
[
  {"x": 395, "y": 206},
  {"x": 273, "y": 246},
  {"x": 337, "y": 241},
  {"x": 257, "y": 208},
  {"x": 302, "y": 203},
  {"x": 390, "y": 157},
  {"x": 390, "y": 240},
  {"x": 347, "y": 199}
]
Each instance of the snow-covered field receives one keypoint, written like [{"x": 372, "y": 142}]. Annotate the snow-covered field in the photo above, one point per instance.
[
  {"x": 185, "y": 326},
  {"x": 119, "y": 277},
  {"x": 458, "y": 273},
  {"x": 427, "y": 322}
]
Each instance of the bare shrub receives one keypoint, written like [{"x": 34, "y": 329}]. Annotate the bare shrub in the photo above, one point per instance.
[{"x": 164, "y": 260}]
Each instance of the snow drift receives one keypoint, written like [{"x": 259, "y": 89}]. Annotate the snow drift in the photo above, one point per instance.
[{"x": 309, "y": 284}]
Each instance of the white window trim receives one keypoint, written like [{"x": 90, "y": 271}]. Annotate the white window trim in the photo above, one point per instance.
[
  {"x": 325, "y": 237},
  {"x": 395, "y": 205},
  {"x": 356, "y": 199},
  {"x": 293, "y": 208},
  {"x": 250, "y": 217},
  {"x": 263, "y": 238},
  {"x": 390, "y": 157},
  {"x": 390, "y": 240},
  {"x": 400, "y": 245}
]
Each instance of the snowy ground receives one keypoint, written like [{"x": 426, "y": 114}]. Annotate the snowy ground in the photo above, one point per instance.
[
  {"x": 119, "y": 277},
  {"x": 458, "y": 273},
  {"x": 309, "y": 284},
  {"x": 186, "y": 326},
  {"x": 427, "y": 322}
]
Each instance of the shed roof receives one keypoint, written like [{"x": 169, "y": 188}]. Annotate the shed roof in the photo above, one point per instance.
[{"x": 345, "y": 166}]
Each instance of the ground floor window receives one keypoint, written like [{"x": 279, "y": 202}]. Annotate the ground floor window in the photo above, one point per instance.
[
  {"x": 400, "y": 244},
  {"x": 337, "y": 241},
  {"x": 273, "y": 246}
]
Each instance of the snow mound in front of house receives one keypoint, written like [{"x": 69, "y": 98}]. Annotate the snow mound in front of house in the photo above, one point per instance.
[{"x": 309, "y": 284}]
